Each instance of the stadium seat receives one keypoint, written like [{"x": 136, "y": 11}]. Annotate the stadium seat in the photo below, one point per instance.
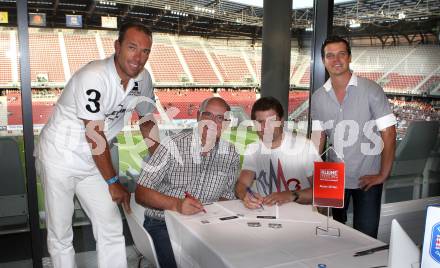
[
  {"x": 199, "y": 66},
  {"x": 411, "y": 156},
  {"x": 186, "y": 101},
  {"x": 232, "y": 66},
  {"x": 431, "y": 176},
  {"x": 296, "y": 99},
  {"x": 165, "y": 64},
  {"x": 244, "y": 99},
  {"x": 13, "y": 204},
  {"x": 143, "y": 242},
  {"x": 5, "y": 60},
  {"x": 89, "y": 49},
  {"x": 126, "y": 181},
  {"x": 45, "y": 56}
]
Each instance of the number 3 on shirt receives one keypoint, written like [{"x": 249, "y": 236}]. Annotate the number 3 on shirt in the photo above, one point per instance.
[{"x": 94, "y": 100}]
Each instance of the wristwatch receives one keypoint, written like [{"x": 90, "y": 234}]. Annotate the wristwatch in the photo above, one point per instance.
[{"x": 295, "y": 196}]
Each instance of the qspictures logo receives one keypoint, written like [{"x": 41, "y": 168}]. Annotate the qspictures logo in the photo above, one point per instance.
[{"x": 434, "y": 247}]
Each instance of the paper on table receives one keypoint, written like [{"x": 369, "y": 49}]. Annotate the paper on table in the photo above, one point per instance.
[
  {"x": 213, "y": 214},
  {"x": 237, "y": 208}
]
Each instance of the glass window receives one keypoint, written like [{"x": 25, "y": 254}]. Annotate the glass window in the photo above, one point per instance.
[
  {"x": 15, "y": 235},
  {"x": 406, "y": 66}
]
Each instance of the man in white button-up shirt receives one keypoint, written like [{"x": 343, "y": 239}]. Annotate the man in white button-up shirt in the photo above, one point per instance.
[{"x": 354, "y": 114}]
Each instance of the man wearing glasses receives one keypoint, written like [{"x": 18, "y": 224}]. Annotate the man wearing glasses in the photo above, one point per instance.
[
  {"x": 354, "y": 114},
  {"x": 189, "y": 169}
]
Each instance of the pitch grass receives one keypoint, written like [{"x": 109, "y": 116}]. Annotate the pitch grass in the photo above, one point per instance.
[{"x": 132, "y": 149}]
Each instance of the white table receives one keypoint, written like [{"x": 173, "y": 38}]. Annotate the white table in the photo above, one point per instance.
[{"x": 233, "y": 243}]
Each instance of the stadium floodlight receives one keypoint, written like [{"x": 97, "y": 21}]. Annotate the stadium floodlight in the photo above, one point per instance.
[
  {"x": 354, "y": 23},
  {"x": 204, "y": 10},
  {"x": 108, "y": 3},
  {"x": 309, "y": 28},
  {"x": 179, "y": 13},
  {"x": 401, "y": 15}
]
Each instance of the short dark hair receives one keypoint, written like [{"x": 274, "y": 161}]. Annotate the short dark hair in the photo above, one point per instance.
[
  {"x": 334, "y": 39},
  {"x": 133, "y": 24},
  {"x": 265, "y": 104}
]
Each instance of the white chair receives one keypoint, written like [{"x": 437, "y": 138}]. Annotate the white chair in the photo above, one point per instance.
[
  {"x": 143, "y": 242},
  {"x": 403, "y": 252}
]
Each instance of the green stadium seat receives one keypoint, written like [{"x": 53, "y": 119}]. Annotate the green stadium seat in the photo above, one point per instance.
[{"x": 13, "y": 198}]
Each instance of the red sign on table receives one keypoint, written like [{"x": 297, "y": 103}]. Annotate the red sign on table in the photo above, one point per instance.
[{"x": 329, "y": 184}]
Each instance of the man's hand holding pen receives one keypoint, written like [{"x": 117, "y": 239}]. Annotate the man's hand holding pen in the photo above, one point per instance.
[
  {"x": 279, "y": 198},
  {"x": 253, "y": 200},
  {"x": 189, "y": 205}
]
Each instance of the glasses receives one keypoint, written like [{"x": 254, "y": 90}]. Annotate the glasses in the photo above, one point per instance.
[
  {"x": 214, "y": 117},
  {"x": 341, "y": 54}
]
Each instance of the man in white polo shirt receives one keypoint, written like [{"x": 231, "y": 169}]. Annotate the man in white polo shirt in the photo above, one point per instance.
[
  {"x": 354, "y": 114},
  {"x": 279, "y": 166},
  {"x": 73, "y": 156}
]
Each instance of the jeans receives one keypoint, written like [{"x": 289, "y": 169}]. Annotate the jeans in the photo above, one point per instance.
[
  {"x": 159, "y": 233},
  {"x": 366, "y": 209}
]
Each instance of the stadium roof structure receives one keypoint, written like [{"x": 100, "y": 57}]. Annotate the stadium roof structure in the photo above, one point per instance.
[{"x": 221, "y": 18}]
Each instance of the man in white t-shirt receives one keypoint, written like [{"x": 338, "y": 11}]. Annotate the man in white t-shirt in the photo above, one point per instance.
[
  {"x": 278, "y": 167},
  {"x": 73, "y": 156}
]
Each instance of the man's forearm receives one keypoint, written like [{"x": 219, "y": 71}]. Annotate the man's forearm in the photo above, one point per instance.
[
  {"x": 150, "y": 198},
  {"x": 102, "y": 157},
  {"x": 305, "y": 196},
  {"x": 240, "y": 190},
  {"x": 244, "y": 181},
  {"x": 388, "y": 152},
  {"x": 104, "y": 164}
]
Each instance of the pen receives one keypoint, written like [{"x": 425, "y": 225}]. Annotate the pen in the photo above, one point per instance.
[
  {"x": 188, "y": 195},
  {"x": 370, "y": 251},
  {"x": 253, "y": 195}
]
